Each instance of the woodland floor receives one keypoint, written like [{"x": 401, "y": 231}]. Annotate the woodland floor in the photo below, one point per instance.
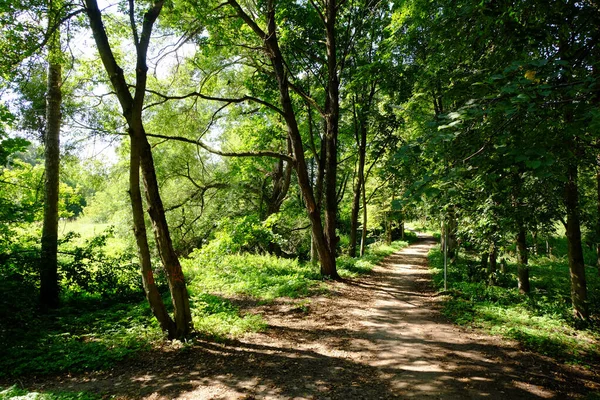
[{"x": 378, "y": 337}]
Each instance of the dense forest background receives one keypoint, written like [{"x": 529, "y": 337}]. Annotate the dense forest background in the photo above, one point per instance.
[{"x": 187, "y": 150}]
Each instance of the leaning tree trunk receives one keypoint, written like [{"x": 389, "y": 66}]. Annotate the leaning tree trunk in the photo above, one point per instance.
[
  {"x": 522, "y": 261},
  {"x": 132, "y": 107},
  {"x": 326, "y": 256},
  {"x": 139, "y": 229},
  {"x": 271, "y": 44},
  {"x": 177, "y": 286},
  {"x": 575, "y": 249},
  {"x": 49, "y": 242}
]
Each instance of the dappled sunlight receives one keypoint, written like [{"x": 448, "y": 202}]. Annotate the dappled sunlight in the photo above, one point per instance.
[{"x": 380, "y": 337}]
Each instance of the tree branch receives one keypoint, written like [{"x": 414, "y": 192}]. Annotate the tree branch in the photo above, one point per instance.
[
  {"x": 260, "y": 153},
  {"x": 222, "y": 99}
]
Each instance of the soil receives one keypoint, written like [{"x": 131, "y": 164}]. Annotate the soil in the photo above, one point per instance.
[{"x": 378, "y": 337}]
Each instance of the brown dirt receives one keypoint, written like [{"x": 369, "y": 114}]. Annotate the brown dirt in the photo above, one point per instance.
[{"x": 378, "y": 337}]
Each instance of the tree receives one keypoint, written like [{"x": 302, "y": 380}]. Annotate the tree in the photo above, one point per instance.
[
  {"x": 49, "y": 243},
  {"x": 141, "y": 159}
]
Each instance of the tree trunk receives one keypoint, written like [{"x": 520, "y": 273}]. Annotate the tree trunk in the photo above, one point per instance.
[
  {"x": 360, "y": 178},
  {"x": 493, "y": 265},
  {"x": 452, "y": 226},
  {"x": 363, "y": 238},
  {"x": 402, "y": 229},
  {"x": 132, "y": 107},
  {"x": 598, "y": 217},
  {"x": 49, "y": 243},
  {"x": 448, "y": 237},
  {"x": 388, "y": 228},
  {"x": 177, "y": 286},
  {"x": 522, "y": 261},
  {"x": 332, "y": 115},
  {"x": 326, "y": 257},
  {"x": 575, "y": 249},
  {"x": 139, "y": 229},
  {"x": 485, "y": 256}
]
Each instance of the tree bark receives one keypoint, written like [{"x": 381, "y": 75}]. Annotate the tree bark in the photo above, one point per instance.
[
  {"x": 177, "y": 286},
  {"x": 449, "y": 230},
  {"x": 485, "y": 257},
  {"x": 363, "y": 238},
  {"x": 49, "y": 243},
  {"x": 598, "y": 217},
  {"x": 388, "y": 228},
  {"x": 132, "y": 107},
  {"x": 270, "y": 39},
  {"x": 332, "y": 115},
  {"x": 493, "y": 265},
  {"x": 522, "y": 261},
  {"x": 139, "y": 229},
  {"x": 360, "y": 178},
  {"x": 575, "y": 249}
]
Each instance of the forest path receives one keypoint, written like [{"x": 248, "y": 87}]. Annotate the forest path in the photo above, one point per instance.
[{"x": 377, "y": 337}]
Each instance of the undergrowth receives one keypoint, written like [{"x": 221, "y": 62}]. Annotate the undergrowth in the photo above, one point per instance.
[
  {"x": 93, "y": 332},
  {"x": 15, "y": 393},
  {"x": 541, "y": 321},
  {"x": 87, "y": 335}
]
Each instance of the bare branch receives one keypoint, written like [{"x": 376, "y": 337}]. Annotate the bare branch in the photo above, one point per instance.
[
  {"x": 132, "y": 22},
  {"x": 260, "y": 153},
  {"x": 221, "y": 99}
]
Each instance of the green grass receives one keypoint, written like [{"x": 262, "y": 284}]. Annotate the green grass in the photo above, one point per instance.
[
  {"x": 91, "y": 332},
  {"x": 349, "y": 267},
  {"x": 215, "y": 317},
  {"x": 87, "y": 335},
  {"x": 266, "y": 277},
  {"x": 541, "y": 321},
  {"x": 15, "y": 393}
]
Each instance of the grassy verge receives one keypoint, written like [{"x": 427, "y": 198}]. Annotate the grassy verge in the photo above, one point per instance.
[
  {"x": 541, "y": 321},
  {"x": 22, "y": 394},
  {"x": 88, "y": 335},
  {"x": 261, "y": 277},
  {"x": 93, "y": 333}
]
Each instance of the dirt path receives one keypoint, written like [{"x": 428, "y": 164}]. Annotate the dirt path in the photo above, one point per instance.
[{"x": 380, "y": 337}]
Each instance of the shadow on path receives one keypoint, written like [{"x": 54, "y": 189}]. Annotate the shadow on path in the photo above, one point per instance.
[{"x": 382, "y": 337}]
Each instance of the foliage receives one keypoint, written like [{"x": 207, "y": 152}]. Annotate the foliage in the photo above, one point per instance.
[
  {"x": 541, "y": 321},
  {"x": 217, "y": 317},
  {"x": 266, "y": 277},
  {"x": 90, "y": 269},
  {"x": 352, "y": 267},
  {"x": 86, "y": 334},
  {"x": 261, "y": 276},
  {"x": 15, "y": 393},
  {"x": 244, "y": 234}
]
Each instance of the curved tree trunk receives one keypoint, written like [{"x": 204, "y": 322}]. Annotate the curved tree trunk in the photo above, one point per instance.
[
  {"x": 177, "y": 286},
  {"x": 132, "y": 107}
]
